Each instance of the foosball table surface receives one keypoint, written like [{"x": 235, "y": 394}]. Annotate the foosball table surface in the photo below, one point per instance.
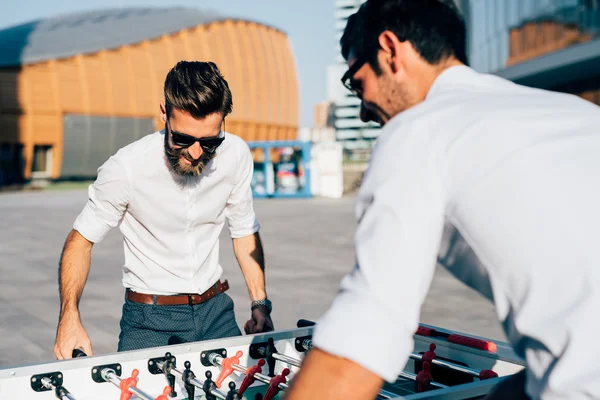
[{"x": 443, "y": 365}]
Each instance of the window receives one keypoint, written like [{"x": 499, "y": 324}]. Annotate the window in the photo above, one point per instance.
[{"x": 42, "y": 161}]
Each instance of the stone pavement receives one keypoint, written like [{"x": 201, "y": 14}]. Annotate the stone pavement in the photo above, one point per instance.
[{"x": 308, "y": 246}]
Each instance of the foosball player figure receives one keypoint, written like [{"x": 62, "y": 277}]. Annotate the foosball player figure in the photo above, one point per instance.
[
  {"x": 232, "y": 394},
  {"x": 227, "y": 367},
  {"x": 424, "y": 378},
  {"x": 165, "y": 393},
  {"x": 128, "y": 383},
  {"x": 170, "y": 363},
  {"x": 269, "y": 351},
  {"x": 429, "y": 354},
  {"x": 274, "y": 385},
  {"x": 487, "y": 374},
  {"x": 208, "y": 386},
  {"x": 187, "y": 376},
  {"x": 249, "y": 379}
]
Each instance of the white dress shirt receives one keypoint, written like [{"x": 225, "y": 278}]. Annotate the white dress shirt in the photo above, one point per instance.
[
  {"x": 517, "y": 171},
  {"x": 170, "y": 223}
]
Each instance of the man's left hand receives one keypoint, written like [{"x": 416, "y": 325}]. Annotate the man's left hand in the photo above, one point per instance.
[{"x": 260, "y": 321}]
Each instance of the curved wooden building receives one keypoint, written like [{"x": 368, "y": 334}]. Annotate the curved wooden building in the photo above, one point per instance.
[{"x": 74, "y": 89}]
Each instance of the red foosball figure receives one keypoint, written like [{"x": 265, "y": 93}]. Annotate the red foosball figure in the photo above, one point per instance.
[
  {"x": 274, "y": 385},
  {"x": 227, "y": 367},
  {"x": 165, "y": 394},
  {"x": 487, "y": 374},
  {"x": 127, "y": 383},
  {"x": 249, "y": 379},
  {"x": 430, "y": 354},
  {"x": 424, "y": 378}
]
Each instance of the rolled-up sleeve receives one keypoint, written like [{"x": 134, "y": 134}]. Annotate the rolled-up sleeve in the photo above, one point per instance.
[
  {"x": 108, "y": 198},
  {"x": 401, "y": 215},
  {"x": 239, "y": 209}
]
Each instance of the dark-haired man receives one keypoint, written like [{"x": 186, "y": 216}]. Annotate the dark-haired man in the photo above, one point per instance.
[
  {"x": 514, "y": 169},
  {"x": 170, "y": 193}
]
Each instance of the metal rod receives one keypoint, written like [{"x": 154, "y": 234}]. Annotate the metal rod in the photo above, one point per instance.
[
  {"x": 387, "y": 395},
  {"x": 215, "y": 358},
  {"x": 290, "y": 360},
  {"x": 450, "y": 365},
  {"x": 282, "y": 357},
  {"x": 110, "y": 376},
  {"x": 194, "y": 381},
  {"x": 413, "y": 377},
  {"x": 47, "y": 383},
  {"x": 307, "y": 344}
]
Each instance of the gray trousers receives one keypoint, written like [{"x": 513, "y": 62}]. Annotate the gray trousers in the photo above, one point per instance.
[{"x": 150, "y": 325}]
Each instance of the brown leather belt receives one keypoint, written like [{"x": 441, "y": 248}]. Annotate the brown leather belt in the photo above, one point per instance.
[{"x": 178, "y": 299}]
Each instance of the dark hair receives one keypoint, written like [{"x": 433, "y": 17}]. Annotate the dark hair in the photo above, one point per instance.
[
  {"x": 435, "y": 28},
  {"x": 198, "y": 88}
]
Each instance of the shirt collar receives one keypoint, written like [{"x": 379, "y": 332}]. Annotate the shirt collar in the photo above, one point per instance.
[
  {"x": 453, "y": 74},
  {"x": 449, "y": 76}
]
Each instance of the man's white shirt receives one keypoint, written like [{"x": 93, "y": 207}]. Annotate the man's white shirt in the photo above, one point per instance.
[
  {"x": 170, "y": 223},
  {"x": 517, "y": 171}
]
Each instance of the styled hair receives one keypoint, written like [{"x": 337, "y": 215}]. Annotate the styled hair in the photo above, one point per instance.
[
  {"x": 435, "y": 28},
  {"x": 198, "y": 88}
]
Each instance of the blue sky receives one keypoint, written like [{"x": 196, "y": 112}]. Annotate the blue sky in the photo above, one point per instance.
[{"x": 308, "y": 23}]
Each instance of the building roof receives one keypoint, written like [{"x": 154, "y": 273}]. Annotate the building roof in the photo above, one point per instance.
[{"x": 91, "y": 31}]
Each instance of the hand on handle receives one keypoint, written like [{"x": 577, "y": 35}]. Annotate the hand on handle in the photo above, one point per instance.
[{"x": 71, "y": 335}]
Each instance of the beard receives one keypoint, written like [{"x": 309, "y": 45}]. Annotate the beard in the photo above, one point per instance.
[
  {"x": 393, "y": 99},
  {"x": 179, "y": 166}
]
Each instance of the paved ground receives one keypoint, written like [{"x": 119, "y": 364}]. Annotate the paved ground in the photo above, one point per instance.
[{"x": 308, "y": 245}]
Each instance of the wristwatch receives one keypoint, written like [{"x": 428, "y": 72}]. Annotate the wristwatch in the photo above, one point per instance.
[{"x": 265, "y": 303}]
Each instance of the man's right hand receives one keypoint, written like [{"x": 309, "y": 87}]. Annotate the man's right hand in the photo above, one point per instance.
[{"x": 71, "y": 335}]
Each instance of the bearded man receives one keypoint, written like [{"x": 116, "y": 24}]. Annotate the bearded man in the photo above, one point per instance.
[{"x": 170, "y": 193}]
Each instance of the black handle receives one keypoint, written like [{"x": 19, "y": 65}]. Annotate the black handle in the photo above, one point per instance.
[
  {"x": 79, "y": 353},
  {"x": 303, "y": 323}
]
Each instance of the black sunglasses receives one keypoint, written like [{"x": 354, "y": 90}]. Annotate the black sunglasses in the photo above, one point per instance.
[
  {"x": 348, "y": 81},
  {"x": 208, "y": 144}
]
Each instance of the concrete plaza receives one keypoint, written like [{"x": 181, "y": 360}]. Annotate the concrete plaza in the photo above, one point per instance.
[{"x": 308, "y": 247}]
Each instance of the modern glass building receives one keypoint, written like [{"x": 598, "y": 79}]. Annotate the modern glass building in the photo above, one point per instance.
[
  {"x": 356, "y": 136},
  {"x": 549, "y": 44}
]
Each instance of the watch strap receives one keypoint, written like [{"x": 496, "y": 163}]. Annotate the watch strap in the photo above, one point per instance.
[{"x": 265, "y": 303}]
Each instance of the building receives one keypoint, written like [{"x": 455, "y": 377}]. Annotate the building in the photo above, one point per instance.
[
  {"x": 356, "y": 136},
  {"x": 76, "y": 88},
  {"x": 548, "y": 44},
  {"x": 324, "y": 115}
]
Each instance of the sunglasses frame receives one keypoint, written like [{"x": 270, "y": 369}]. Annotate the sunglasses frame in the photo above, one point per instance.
[
  {"x": 203, "y": 141},
  {"x": 349, "y": 74}
]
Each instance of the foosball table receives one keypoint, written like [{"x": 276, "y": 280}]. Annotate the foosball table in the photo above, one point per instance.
[{"x": 444, "y": 365}]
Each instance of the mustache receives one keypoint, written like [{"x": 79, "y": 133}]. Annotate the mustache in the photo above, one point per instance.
[{"x": 197, "y": 165}]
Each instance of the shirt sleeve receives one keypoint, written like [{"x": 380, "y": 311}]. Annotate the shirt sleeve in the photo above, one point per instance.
[
  {"x": 400, "y": 211},
  {"x": 108, "y": 198},
  {"x": 239, "y": 209}
]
